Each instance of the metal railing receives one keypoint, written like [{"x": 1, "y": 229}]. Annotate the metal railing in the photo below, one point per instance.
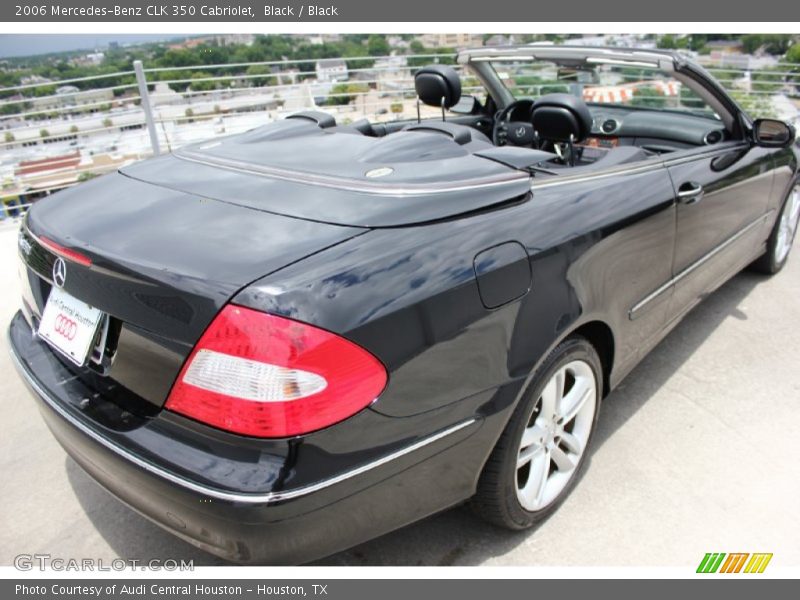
[{"x": 146, "y": 111}]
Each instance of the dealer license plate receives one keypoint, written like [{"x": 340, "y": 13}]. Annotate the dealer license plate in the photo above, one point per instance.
[{"x": 69, "y": 325}]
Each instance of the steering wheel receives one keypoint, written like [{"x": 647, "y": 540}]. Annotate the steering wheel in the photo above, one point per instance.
[{"x": 514, "y": 132}]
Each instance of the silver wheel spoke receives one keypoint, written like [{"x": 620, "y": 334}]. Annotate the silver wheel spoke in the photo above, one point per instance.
[
  {"x": 527, "y": 455},
  {"x": 573, "y": 402},
  {"x": 537, "y": 479},
  {"x": 571, "y": 443},
  {"x": 552, "y": 394},
  {"x": 532, "y": 435},
  {"x": 563, "y": 461}
]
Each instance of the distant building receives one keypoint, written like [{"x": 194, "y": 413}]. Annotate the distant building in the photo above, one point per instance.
[
  {"x": 396, "y": 42},
  {"x": 391, "y": 73},
  {"x": 34, "y": 80},
  {"x": 451, "y": 40},
  {"x": 331, "y": 69},
  {"x": 234, "y": 39},
  {"x": 725, "y": 46},
  {"x": 43, "y": 165},
  {"x": 192, "y": 43},
  {"x": 323, "y": 38},
  {"x": 69, "y": 99},
  {"x": 89, "y": 60},
  {"x": 500, "y": 40}
]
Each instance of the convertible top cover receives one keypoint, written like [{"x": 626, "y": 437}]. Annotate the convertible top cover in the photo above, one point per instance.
[{"x": 337, "y": 175}]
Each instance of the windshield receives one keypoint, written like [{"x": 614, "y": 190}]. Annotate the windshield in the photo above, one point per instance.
[{"x": 623, "y": 85}]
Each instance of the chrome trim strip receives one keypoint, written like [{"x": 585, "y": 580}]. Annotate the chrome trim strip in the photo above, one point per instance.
[
  {"x": 641, "y": 167},
  {"x": 243, "y": 498},
  {"x": 355, "y": 185},
  {"x": 692, "y": 267},
  {"x": 542, "y": 51},
  {"x": 709, "y": 152}
]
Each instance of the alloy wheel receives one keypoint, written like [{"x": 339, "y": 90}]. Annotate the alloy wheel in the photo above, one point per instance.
[{"x": 556, "y": 435}]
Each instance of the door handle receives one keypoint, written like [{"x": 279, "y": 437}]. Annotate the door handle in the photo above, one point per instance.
[{"x": 690, "y": 192}]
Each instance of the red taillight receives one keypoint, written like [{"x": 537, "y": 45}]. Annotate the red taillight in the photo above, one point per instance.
[
  {"x": 268, "y": 376},
  {"x": 67, "y": 253}
]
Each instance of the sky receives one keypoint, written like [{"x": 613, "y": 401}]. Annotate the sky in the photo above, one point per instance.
[{"x": 27, "y": 45}]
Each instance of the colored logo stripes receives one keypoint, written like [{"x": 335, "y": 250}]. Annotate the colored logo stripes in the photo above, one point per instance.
[{"x": 736, "y": 562}]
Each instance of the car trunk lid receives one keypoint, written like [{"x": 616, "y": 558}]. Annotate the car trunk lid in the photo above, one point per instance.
[{"x": 164, "y": 262}]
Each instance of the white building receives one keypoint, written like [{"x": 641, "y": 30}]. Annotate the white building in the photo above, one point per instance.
[{"x": 331, "y": 69}]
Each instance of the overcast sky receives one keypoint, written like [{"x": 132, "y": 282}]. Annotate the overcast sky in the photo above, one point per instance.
[{"x": 27, "y": 45}]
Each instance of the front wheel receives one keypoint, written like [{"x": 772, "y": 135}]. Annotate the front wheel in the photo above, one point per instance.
[
  {"x": 537, "y": 459},
  {"x": 780, "y": 240}
]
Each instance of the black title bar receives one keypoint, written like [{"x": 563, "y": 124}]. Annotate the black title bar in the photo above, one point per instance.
[{"x": 261, "y": 11}]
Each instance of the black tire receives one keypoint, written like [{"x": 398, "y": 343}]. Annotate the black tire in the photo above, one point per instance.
[
  {"x": 770, "y": 263},
  {"x": 496, "y": 497}
]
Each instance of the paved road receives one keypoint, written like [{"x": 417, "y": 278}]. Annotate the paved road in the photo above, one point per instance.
[{"x": 698, "y": 451}]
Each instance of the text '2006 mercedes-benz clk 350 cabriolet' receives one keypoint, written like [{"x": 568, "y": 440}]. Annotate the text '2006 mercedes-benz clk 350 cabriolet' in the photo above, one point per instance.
[{"x": 282, "y": 343}]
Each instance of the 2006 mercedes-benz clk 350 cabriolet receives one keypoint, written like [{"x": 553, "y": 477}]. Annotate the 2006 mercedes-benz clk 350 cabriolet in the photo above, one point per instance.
[{"x": 282, "y": 343}]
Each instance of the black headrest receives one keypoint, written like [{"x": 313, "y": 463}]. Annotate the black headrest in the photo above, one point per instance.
[
  {"x": 438, "y": 82},
  {"x": 556, "y": 117}
]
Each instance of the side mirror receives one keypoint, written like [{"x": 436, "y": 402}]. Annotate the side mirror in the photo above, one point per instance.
[
  {"x": 772, "y": 133},
  {"x": 467, "y": 105}
]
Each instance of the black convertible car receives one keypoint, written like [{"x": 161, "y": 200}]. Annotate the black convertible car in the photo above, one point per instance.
[{"x": 282, "y": 343}]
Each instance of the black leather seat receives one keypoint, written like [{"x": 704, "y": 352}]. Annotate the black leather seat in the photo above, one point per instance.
[
  {"x": 440, "y": 86},
  {"x": 561, "y": 118},
  {"x": 564, "y": 118}
]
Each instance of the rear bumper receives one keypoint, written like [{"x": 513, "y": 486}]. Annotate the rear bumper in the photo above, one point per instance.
[{"x": 282, "y": 525}]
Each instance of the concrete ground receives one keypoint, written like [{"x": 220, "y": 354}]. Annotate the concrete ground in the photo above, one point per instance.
[{"x": 697, "y": 452}]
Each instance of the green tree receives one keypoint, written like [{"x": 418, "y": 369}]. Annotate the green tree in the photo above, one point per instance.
[
  {"x": 345, "y": 93},
  {"x": 668, "y": 42},
  {"x": 756, "y": 106},
  {"x": 108, "y": 123},
  {"x": 86, "y": 176},
  {"x": 793, "y": 53},
  {"x": 198, "y": 85},
  {"x": 260, "y": 70},
  {"x": 73, "y": 129},
  {"x": 768, "y": 80},
  {"x": 649, "y": 97},
  {"x": 9, "y": 137},
  {"x": 440, "y": 57},
  {"x": 691, "y": 100},
  {"x": 377, "y": 45},
  {"x": 43, "y": 133}
]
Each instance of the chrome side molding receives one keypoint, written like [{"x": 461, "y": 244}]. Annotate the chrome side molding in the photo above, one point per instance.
[{"x": 632, "y": 313}]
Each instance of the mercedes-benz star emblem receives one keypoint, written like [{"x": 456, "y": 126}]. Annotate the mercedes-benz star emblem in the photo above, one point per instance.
[
  {"x": 59, "y": 272},
  {"x": 520, "y": 131}
]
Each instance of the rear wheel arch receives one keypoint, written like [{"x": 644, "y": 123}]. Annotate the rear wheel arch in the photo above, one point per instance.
[{"x": 601, "y": 337}]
